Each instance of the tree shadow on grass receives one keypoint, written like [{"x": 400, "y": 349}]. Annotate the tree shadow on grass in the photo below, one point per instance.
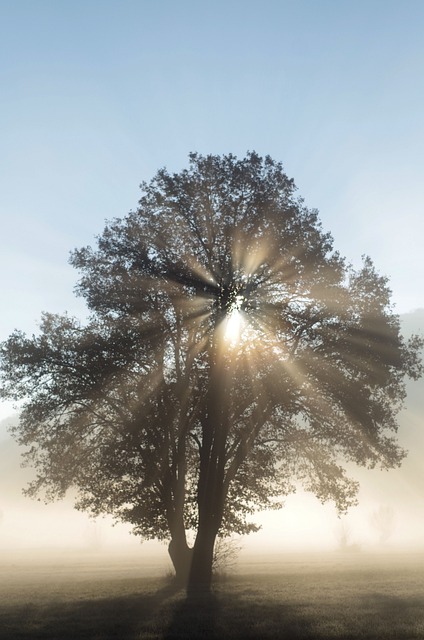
[
  {"x": 212, "y": 617},
  {"x": 240, "y": 616},
  {"x": 228, "y": 614},
  {"x": 195, "y": 617},
  {"x": 249, "y": 619},
  {"x": 129, "y": 617}
]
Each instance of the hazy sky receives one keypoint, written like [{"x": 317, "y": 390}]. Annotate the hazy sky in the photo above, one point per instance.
[{"x": 98, "y": 94}]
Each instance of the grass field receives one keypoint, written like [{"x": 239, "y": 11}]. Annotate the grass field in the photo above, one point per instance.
[{"x": 332, "y": 596}]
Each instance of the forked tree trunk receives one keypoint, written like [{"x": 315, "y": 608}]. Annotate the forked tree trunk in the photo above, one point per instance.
[
  {"x": 181, "y": 557},
  {"x": 210, "y": 489},
  {"x": 200, "y": 577}
]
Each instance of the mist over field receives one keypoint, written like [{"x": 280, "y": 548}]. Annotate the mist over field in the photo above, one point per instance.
[
  {"x": 221, "y": 269},
  {"x": 388, "y": 518}
]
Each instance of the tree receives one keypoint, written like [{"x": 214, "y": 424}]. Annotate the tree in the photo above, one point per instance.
[
  {"x": 229, "y": 352},
  {"x": 383, "y": 521},
  {"x": 344, "y": 535}
]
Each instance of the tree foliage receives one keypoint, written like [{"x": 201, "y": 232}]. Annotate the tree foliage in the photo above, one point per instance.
[{"x": 229, "y": 352}]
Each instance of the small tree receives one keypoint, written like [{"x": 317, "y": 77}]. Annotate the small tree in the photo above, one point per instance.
[
  {"x": 229, "y": 352},
  {"x": 93, "y": 536},
  {"x": 383, "y": 521},
  {"x": 344, "y": 535},
  {"x": 225, "y": 554}
]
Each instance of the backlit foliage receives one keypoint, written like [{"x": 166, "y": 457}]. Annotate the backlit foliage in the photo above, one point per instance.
[{"x": 226, "y": 335}]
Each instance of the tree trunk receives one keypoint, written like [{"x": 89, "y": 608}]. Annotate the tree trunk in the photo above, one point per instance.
[
  {"x": 210, "y": 488},
  {"x": 200, "y": 577},
  {"x": 181, "y": 556}
]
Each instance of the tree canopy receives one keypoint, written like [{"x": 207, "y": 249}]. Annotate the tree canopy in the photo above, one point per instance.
[{"x": 229, "y": 352}]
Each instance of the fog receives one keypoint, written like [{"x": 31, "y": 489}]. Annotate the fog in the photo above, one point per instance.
[{"x": 388, "y": 518}]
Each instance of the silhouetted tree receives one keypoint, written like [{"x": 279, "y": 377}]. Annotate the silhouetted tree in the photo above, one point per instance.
[
  {"x": 229, "y": 352},
  {"x": 383, "y": 521},
  {"x": 344, "y": 535},
  {"x": 225, "y": 554}
]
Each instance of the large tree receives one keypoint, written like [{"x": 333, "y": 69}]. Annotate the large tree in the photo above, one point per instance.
[{"x": 230, "y": 351}]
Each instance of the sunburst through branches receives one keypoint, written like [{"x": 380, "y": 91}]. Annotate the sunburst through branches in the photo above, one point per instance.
[
  {"x": 234, "y": 322},
  {"x": 230, "y": 352}
]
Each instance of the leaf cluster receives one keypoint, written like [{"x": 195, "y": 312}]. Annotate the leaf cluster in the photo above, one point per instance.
[{"x": 118, "y": 408}]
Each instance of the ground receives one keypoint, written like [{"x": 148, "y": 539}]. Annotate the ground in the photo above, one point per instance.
[{"x": 334, "y": 595}]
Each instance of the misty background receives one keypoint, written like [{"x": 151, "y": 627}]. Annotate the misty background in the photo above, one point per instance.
[
  {"x": 389, "y": 517},
  {"x": 97, "y": 95}
]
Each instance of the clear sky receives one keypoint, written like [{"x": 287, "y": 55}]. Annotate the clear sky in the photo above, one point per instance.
[{"x": 96, "y": 95}]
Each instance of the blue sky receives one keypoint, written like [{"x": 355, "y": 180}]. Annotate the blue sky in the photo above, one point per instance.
[{"x": 96, "y": 95}]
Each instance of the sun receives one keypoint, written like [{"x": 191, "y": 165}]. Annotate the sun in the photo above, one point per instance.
[{"x": 234, "y": 321}]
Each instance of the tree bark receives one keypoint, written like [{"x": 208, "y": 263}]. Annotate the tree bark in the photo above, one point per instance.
[
  {"x": 181, "y": 557},
  {"x": 210, "y": 489},
  {"x": 200, "y": 577}
]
